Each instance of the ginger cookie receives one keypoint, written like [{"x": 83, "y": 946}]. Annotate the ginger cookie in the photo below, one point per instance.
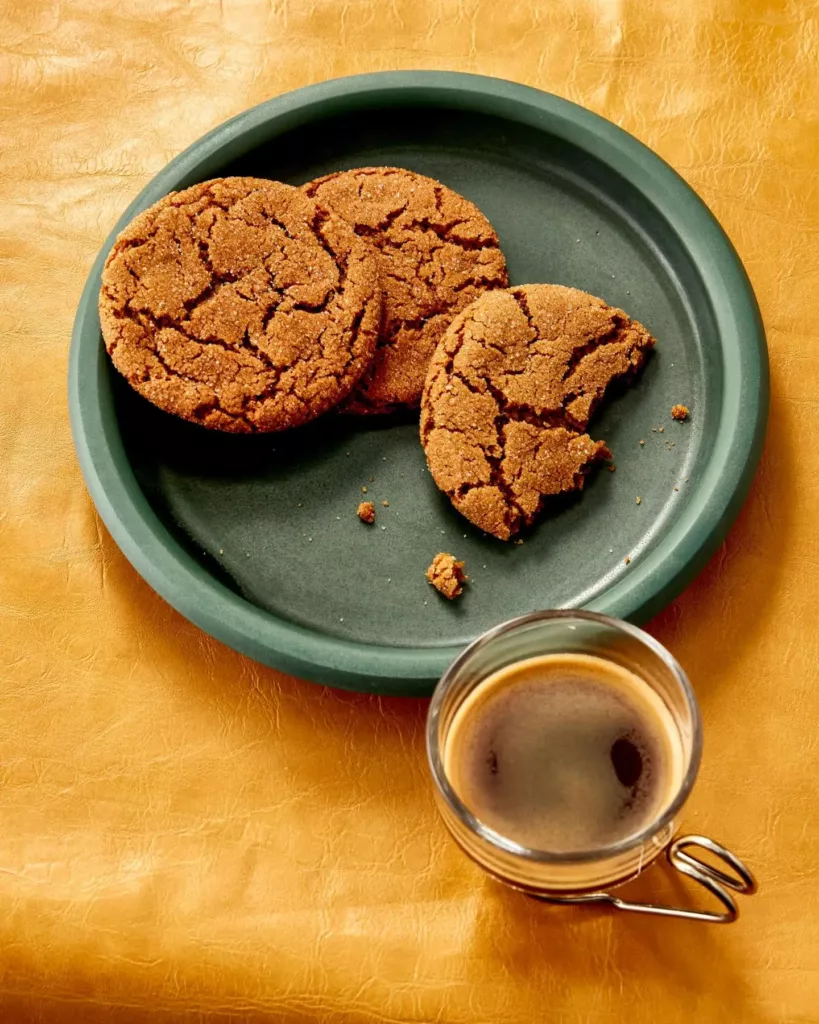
[
  {"x": 437, "y": 254},
  {"x": 241, "y": 304},
  {"x": 509, "y": 394}
]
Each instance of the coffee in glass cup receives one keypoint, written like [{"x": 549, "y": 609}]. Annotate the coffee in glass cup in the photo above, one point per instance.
[{"x": 563, "y": 746}]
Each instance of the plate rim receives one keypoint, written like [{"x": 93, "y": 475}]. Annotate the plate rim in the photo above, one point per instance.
[{"x": 652, "y": 582}]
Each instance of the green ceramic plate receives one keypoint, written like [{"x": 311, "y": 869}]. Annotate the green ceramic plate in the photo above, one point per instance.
[{"x": 256, "y": 539}]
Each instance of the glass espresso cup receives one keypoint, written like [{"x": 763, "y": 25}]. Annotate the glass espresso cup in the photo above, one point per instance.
[{"x": 584, "y": 875}]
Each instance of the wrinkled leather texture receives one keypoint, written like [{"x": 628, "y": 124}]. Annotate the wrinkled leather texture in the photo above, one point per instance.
[{"x": 185, "y": 835}]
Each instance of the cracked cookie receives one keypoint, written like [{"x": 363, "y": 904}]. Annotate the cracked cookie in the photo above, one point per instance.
[
  {"x": 509, "y": 394},
  {"x": 241, "y": 304},
  {"x": 437, "y": 254}
]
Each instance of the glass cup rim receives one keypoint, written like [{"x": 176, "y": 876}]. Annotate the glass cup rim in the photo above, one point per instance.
[{"x": 509, "y": 846}]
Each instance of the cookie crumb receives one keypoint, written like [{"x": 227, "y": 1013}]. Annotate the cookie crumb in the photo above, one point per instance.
[
  {"x": 221, "y": 551},
  {"x": 612, "y": 469},
  {"x": 366, "y": 512},
  {"x": 363, "y": 490},
  {"x": 627, "y": 560},
  {"x": 676, "y": 488},
  {"x": 386, "y": 504},
  {"x": 642, "y": 441},
  {"x": 679, "y": 412},
  {"x": 518, "y": 542},
  {"x": 447, "y": 575},
  {"x": 661, "y": 429},
  {"x": 638, "y": 500}
]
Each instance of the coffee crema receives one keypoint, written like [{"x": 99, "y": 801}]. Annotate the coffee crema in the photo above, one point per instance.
[{"x": 564, "y": 753}]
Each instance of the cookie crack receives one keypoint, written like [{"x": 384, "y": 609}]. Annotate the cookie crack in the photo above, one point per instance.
[
  {"x": 250, "y": 346},
  {"x": 415, "y": 323},
  {"x": 355, "y": 328},
  {"x": 523, "y": 304},
  {"x": 368, "y": 231},
  {"x": 231, "y": 210},
  {"x": 313, "y": 188},
  {"x": 213, "y": 401},
  {"x": 216, "y": 283},
  {"x": 320, "y": 218},
  {"x": 487, "y": 283},
  {"x": 512, "y": 512},
  {"x": 163, "y": 322},
  {"x": 521, "y": 413},
  {"x": 444, "y": 232},
  {"x": 611, "y": 336},
  {"x": 384, "y": 242}
]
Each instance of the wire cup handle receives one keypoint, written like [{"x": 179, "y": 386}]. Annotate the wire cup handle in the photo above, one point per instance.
[{"x": 715, "y": 881}]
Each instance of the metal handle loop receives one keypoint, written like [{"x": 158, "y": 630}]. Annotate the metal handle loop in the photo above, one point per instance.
[{"x": 709, "y": 877}]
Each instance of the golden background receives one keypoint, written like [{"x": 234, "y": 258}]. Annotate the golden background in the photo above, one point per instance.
[{"x": 186, "y": 835}]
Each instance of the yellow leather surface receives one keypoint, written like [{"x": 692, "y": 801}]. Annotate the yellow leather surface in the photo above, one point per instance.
[{"x": 187, "y": 836}]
